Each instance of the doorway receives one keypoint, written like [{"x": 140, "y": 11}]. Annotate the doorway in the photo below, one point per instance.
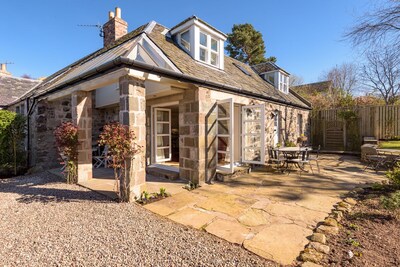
[{"x": 165, "y": 135}]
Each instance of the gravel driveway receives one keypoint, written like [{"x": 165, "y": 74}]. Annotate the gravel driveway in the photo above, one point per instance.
[{"x": 45, "y": 222}]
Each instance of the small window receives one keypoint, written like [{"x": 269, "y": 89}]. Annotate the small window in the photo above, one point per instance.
[
  {"x": 203, "y": 39},
  {"x": 214, "y": 45},
  {"x": 17, "y": 110},
  {"x": 185, "y": 40}
]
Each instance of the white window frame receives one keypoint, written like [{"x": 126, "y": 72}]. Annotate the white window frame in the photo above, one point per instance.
[
  {"x": 283, "y": 83},
  {"x": 230, "y": 136},
  {"x": 261, "y": 134},
  {"x": 162, "y": 135},
  {"x": 209, "y": 50}
]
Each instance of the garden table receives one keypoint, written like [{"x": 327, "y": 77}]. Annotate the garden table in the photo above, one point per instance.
[{"x": 291, "y": 153}]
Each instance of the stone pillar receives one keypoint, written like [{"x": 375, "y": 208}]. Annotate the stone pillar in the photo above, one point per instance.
[
  {"x": 193, "y": 109},
  {"x": 133, "y": 113},
  {"x": 81, "y": 103}
]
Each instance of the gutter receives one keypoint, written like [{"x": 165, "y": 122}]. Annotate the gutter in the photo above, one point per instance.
[{"x": 126, "y": 62}]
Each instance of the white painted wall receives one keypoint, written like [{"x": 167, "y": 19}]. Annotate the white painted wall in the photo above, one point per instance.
[{"x": 108, "y": 95}]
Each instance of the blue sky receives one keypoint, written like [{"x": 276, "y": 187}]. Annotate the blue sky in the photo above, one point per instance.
[{"x": 41, "y": 37}]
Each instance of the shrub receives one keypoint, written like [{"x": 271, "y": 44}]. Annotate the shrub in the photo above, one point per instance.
[
  {"x": 121, "y": 146},
  {"x": 394, "y": 175},
  {"x": 12, "y": 134},
  {"x": 392, "y": 201},
  {"x": 66, "y": 136}
]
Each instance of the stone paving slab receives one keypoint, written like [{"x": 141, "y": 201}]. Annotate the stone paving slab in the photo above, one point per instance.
[
  {"x": 231, "y": 231},
  {"x": 279, "y": 242},
  {"x": 192, "y": 217}
]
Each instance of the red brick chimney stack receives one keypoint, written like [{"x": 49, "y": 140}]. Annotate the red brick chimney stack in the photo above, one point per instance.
[{"x": 114, "y": 28}]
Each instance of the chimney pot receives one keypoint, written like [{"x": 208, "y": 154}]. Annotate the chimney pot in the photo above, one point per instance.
[
  {"x": 110, "y": 15},
  {"x": 3, "y": 67},
  {"x": 118, "y": 12}
]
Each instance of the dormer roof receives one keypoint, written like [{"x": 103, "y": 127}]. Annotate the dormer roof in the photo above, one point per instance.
[{"x": 176, "y": 28}]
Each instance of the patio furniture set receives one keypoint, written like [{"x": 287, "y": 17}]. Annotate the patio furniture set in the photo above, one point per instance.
[
  {"x": 377, "y": 158},
  {"x": 297, "y": 157}
]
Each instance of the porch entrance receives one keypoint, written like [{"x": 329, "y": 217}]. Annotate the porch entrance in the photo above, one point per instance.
[{"x": 165, "y": 136}]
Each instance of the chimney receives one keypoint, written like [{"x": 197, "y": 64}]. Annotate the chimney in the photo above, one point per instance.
[
  {"x": 114, "y": 28},
  {"x": 3, "y": 69}
]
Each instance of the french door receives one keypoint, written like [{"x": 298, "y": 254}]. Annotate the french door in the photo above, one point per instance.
[
  {"x": 225, "y": 135},
  {"x": 253, "y": 134},
  {"x": 162, "y": 134}
]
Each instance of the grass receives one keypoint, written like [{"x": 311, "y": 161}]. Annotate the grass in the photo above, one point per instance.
[{"x": 389, "y": 144}]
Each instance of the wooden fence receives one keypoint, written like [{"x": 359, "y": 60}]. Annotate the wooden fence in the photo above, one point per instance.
[{"x": 330, "y": 130}]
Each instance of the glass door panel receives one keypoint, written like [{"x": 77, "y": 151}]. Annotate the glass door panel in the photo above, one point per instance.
[
  {"x": 225, "y": 135},
  {"x": 162, "y": 134},
  {"x": 253, "y": 134}
]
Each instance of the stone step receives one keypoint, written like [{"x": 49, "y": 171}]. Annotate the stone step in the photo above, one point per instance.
[
  {"x": 163, "y": 173},
  {"x": 226, "y": 177}
]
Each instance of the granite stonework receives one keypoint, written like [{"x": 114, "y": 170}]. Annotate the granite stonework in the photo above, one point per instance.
[
  {"x": 81, "y": 103},
  {"x": 133, "y": 113},
  {"x": 45, "y": 118}
]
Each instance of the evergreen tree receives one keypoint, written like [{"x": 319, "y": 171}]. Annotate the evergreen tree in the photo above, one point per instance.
[{"x": 247, "y": 45}]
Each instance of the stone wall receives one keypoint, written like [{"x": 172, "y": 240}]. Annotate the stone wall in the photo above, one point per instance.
[{"x": 45, "y": 118}]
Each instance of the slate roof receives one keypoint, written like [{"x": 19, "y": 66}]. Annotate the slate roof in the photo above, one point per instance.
[
  {"x": 266, "y": 67},
  {"x": 312, "y": 88},
  {"x": 12, "y": 88},
  {"x": 232, "y": 75}
]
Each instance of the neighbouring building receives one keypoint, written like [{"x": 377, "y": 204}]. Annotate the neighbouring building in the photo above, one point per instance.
[
  {"x": 185, "y": 99},
  {"x": 12, "y": 89}
]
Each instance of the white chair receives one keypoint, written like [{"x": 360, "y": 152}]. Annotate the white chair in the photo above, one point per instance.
[
  {"x": 103, "y": 160},
  {"x": 64, "y": 160}
]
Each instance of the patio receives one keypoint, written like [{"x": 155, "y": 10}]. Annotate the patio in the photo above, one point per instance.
[{"x": 270, "y": 214}]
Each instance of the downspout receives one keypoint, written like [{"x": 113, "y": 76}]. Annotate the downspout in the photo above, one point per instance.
[{"x": 28, "y": 120}]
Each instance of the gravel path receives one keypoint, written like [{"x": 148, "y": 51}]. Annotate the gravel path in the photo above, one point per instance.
[{"x": 45, "y": 222}]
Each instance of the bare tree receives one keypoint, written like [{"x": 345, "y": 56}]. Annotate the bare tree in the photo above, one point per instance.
[
  {"x": 344, "y": 78},
  {"x": 380, "y": 27},
  {"x": 381, "y": 73},
  {"x": 295, "y": 80}
]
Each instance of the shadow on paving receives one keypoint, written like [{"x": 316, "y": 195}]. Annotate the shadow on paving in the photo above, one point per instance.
[{"x": 43, "y": 188}]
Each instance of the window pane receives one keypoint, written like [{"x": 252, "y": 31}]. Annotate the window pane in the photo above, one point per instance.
[
  {"x": 162, "y": 128},
  {"x": 214, "y": 45},
  {"x": 203, "y": 39},
  {"x": 202, "y": 54},
  {"x": 252, "y": 141},
  {"x": 223, "y": 144},
  {"x": 252, "y": 114},
  {"x": 252, "y": 154},
  {"x": 185, "y": 40},
  {"x": 223, "y": 127},
  {"x": 224, "y": 110},
  {"x": 162, "y": 115},
  {"x": 252, "y": 128},
  {"x": 162, "y": 141},
  {"x": 162, "y": 153},
  {"x": 214, "y": 59}
]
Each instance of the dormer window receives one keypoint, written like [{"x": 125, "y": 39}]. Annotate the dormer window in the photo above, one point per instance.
[
  {"x": 185, "y": 40},
  {"x": 202, "y": 42}
]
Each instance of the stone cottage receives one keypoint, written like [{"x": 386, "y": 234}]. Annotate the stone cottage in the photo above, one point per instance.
[{"x": 187, "y": 102}]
